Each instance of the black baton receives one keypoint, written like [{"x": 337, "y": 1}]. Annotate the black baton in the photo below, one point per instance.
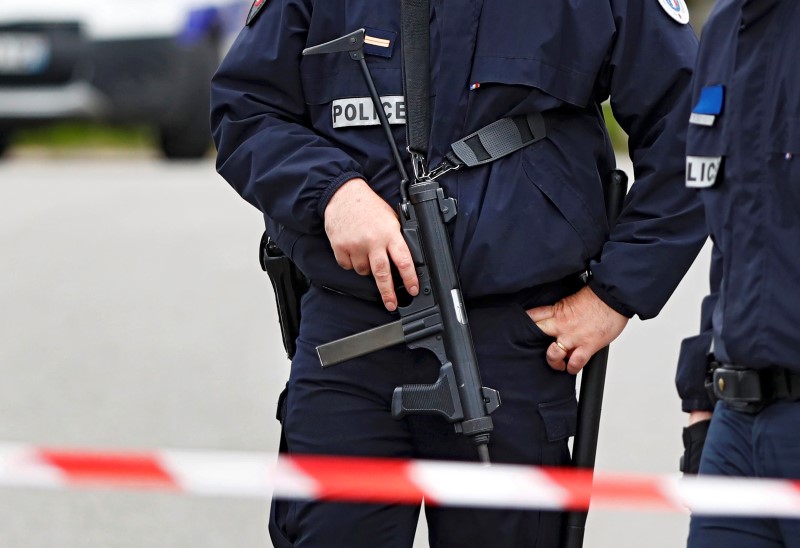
[{"x": 593, "y": 378}]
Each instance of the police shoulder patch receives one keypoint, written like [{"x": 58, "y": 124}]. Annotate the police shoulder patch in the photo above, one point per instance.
[
  {"x": 255, "y": 9},
  {"x": 676, "y": 9}
]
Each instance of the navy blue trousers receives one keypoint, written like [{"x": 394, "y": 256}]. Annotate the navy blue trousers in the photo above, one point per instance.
[
  {"x": 765, "y": 445},
  {"x": 345, "y": 410}
]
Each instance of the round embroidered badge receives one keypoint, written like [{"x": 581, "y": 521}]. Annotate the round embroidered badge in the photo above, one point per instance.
[{"x": 676, "y": 9}]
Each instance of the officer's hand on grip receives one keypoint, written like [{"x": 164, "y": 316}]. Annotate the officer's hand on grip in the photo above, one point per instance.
[
  {"x": 694, "y": 438},
  {"x": 582, "y": 324},
  {"x": 364, "y": 233}
]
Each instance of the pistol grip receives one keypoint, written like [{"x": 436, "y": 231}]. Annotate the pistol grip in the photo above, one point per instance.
[{"x": 440, "y": 398}]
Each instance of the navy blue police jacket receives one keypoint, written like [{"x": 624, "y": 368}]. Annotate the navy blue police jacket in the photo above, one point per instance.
[
  {"x": 289, "y": 133},
  {"x": 743, "y": 153}
]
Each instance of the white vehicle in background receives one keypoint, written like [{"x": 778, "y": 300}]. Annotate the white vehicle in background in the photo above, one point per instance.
[{"x": 121, "y": 62}]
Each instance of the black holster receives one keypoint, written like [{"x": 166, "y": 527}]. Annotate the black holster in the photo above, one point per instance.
[{"x": 289, "y": 285}]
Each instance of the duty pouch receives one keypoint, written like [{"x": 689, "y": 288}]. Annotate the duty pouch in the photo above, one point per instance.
[{"x": 289, "y": 285}]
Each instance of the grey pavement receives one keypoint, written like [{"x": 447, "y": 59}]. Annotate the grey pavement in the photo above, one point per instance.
[{"x": 133, "y": 315}]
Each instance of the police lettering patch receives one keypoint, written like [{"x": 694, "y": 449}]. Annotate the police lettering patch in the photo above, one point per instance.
[
  {"x": 702, "y": 171},
  {"x": 676, "y": 9},
  {"x": 360, "y": 111},
  {"x": 255, "y": 9}
]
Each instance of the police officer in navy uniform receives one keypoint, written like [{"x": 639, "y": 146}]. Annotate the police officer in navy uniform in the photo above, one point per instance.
[
  {"x": 742, "y": 155},
  {"x": 297, "y": 138}
]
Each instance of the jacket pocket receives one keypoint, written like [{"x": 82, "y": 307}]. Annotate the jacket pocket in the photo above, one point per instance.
[
  {"x": 322, "y": 85},
  {"x": 575, "y": 191},
  {"x": 332, "y": 76},
  {"x": 517, "y": 45}
]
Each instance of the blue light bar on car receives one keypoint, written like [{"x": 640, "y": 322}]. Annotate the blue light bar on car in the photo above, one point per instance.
[{"x": 199, "y": 24}]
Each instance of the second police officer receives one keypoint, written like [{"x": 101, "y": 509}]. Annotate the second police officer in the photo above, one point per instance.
[
  {"x": 297, "y": 139},
  {"x": 743, "y": 146}
]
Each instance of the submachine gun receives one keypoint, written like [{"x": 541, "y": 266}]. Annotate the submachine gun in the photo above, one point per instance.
[{"x": 436, "y": 318}]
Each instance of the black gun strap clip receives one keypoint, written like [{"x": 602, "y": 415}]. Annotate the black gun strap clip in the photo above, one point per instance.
[
  {"x": 486, "y": 145},
  {"x": 498, "y": 139}
]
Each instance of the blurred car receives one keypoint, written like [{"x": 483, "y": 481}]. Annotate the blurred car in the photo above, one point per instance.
[{"x": 135, "y": 62}]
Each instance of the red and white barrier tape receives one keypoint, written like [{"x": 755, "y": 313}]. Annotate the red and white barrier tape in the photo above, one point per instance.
[{"x": 396, "y": 481}]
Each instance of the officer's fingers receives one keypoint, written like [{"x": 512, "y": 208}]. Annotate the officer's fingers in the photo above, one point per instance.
[
  {"x": 540, "y": 313},
  {"x": 382, "y": 273},
  {"x": 361, "y": 264},
  {"x": 343, "y": 259},
  {"x": 555, "y": 357},
  {"x": 548, "y": 325},
  {"x": 401, "y": 257},
  {"x": 577, "y": 360}
]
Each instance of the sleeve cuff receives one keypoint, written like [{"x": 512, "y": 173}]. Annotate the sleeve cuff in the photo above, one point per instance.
[
  {"x": 331, "y": 189},
  {"x": 690, "y": 374},
  {"x": 613, "y": 303},
  {"x": 689, "y": 405}
]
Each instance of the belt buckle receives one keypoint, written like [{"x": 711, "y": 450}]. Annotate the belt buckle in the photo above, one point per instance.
[{"x": 740, "y": 388}]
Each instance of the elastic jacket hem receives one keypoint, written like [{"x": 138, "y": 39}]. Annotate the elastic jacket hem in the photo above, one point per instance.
[{"x": 331, "y": 189}]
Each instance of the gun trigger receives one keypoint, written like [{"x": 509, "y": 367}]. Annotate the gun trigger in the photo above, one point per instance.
[{"x": 491, "y": 398}]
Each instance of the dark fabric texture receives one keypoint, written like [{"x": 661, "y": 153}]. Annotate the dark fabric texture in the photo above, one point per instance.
[
  {"x": 765, "y": 445},
  {"x": 327, "y": 413}
]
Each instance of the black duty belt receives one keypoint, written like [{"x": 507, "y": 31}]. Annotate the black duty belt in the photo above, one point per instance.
[
  {"x": 546, "y": 293},
  {"x": 751, "y": 390}
]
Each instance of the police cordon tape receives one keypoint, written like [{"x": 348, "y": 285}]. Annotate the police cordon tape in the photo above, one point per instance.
[{"x": 229, "y": 474}]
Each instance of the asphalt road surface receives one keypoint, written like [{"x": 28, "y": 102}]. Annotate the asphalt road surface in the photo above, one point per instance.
[{"x": 133, "y": 315}]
